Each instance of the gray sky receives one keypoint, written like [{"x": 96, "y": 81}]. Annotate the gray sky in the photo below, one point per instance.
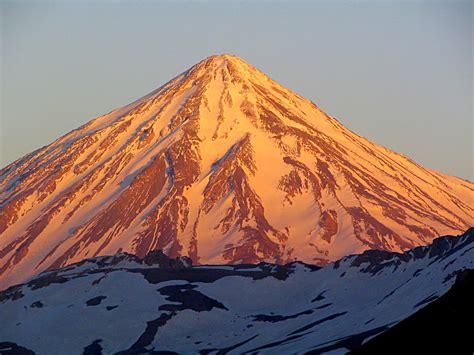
[{"x": 396, "y": 72}]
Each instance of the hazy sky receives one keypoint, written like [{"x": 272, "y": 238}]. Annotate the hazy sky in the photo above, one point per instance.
[{"x": 396, "y": 72}]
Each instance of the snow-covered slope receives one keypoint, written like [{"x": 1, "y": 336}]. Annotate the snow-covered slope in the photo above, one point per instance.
[
  {"x": 224, "y": 165},
  {"x": 127, "y": 305}
]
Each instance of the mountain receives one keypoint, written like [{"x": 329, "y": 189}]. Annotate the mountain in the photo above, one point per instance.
[
  {"x": 223, "y": 165},
  {"x": 159, "y": 304}
]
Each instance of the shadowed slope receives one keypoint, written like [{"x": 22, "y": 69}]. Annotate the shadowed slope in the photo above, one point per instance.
[{"x": 440, "y": 327}]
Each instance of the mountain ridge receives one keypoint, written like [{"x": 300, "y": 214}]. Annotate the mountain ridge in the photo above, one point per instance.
[
  {"x": 221, "y": 164},
  {"x": 285, "y": 308}
]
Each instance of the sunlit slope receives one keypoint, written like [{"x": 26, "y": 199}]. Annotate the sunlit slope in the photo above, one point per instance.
[{"x": 224, "y": 165}]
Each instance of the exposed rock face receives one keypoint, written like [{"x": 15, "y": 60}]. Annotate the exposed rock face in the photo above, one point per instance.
[
  {"x": 130, "y": 307},
  {"x": 223, "y": 165},
  {"x": 158, "y": 258}
]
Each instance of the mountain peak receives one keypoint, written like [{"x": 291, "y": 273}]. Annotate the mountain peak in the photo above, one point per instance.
[
  {"x": 224, "y": 65},
  {"x": 223, "y": 57}
]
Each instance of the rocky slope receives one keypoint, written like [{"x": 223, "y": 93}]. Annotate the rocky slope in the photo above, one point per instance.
[
  {"x": 223, "y": 165},
  {"x": 127, "y": 305}
]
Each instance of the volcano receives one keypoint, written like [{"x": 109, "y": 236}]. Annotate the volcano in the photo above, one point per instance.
[{"x": 223, "y": 165}]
